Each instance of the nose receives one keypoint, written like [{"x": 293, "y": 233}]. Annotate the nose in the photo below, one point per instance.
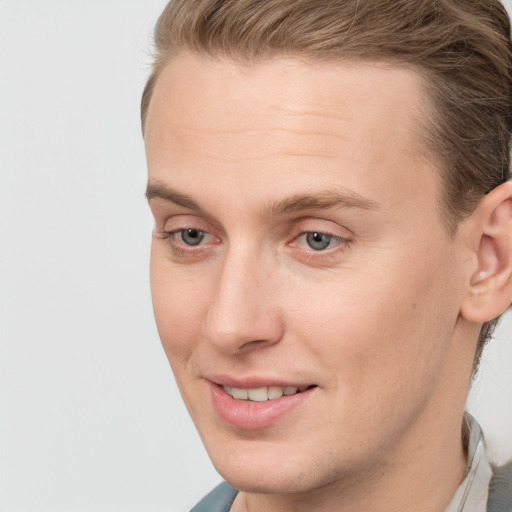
[{"x": 244, "y": 312}]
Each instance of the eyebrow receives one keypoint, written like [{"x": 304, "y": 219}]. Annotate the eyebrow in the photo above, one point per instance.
[
  {"x": 159, "y": 191},
  {"x": 318, "y": 201},
  {"x": 321, "y": 201}
]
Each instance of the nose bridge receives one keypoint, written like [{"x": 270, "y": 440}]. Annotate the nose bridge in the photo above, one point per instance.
[{"x": 242, "y": 310}]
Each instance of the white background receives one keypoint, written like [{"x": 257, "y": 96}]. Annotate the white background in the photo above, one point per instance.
[{"x": 90, "y": 419}]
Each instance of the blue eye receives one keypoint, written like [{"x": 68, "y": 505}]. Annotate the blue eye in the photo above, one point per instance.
[
  {"x": 192, "y": 236},
  {"x": 318, "y": 241}
]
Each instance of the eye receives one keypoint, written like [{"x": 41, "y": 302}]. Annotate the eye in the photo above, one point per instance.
[
  {"x": 315, "y": 244},
  {"x": 319, "y": 241},
  {"x": 188, "y": 242},
  {"x": 192, "y": 236}
]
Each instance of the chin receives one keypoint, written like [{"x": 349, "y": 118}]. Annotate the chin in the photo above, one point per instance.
[
  {"x": 296, "y": 482},
  {"x": 277, "y": 471},
  {"x": 263, "y": 482},
  {"x": 249, "y": 467}
]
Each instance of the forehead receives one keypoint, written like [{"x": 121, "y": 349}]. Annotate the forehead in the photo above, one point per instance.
[
  {"x": 288, "y": 121},
  {"x": 205, "y": 94}
]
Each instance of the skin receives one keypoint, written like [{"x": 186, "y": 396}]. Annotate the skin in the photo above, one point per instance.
[{"x": 375, "y": 320}]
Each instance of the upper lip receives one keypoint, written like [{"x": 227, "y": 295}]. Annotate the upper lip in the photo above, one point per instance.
[{"x": 255, "y": 381}]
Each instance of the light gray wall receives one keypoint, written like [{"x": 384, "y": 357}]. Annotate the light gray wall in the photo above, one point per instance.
[{"x": 90, "y": 419}]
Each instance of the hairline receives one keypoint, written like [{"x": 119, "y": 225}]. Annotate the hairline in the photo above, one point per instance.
[{"x": 425, "y": 124}]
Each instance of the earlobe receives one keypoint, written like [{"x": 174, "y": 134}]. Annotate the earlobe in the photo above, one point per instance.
[{"x": 490, "y": 287}]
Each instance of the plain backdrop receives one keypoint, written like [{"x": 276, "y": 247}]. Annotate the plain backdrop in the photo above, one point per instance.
[{"x": 90, "y": 418}]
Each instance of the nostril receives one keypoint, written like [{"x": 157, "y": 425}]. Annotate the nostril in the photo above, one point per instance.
[{"x": 252, "y": 344}]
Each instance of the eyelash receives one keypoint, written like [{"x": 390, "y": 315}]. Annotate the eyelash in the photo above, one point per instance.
[
  {"x": 180, "y": 250},
  {"x": 332, "y": 238},
  {"x": 341, "y": 244}
]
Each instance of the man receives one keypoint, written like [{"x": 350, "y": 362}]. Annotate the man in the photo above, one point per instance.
[{"x": 332, "y": 243}]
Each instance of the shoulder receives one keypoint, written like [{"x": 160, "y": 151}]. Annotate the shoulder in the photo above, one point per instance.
[
  {"x": 500, "y": 490},
  {"x": 219, "y": 499}
]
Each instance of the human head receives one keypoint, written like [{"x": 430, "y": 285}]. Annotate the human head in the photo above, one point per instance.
[
  {"x": 301, "y": 243},
  {"x": 461, "y": 48}
]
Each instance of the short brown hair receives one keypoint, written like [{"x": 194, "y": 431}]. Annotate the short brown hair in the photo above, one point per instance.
[{"x": 462, "y": 48}]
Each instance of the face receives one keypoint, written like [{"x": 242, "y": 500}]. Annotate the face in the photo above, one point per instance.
[{"x": 305, "y": 289}]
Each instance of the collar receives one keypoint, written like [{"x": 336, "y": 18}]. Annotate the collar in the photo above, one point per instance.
[{"x": 473, "y": 492}]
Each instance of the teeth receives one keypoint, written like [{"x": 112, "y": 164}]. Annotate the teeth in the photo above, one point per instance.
[
  {"x": 258, "y": 394},
  {"x": 274, "y": 392},
  {"x": 239, "y": 394},
  {"x": 262, "y": 394}
]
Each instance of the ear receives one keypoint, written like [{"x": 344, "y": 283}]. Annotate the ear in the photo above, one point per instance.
[{"x": 490, "y": 288}]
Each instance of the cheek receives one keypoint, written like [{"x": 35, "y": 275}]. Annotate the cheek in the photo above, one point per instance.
[
  {"x": 381, "y": 342},
  {"x": 178, "y": 303},
  {"x": 384, "y": 325}
]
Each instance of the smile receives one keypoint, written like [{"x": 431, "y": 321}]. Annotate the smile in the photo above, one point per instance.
[
  {"x": 259, "y": 407},
  {"x": 263, "y": 394}
]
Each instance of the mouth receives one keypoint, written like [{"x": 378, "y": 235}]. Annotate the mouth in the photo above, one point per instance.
[
  {"x": 258, "y": 407},
  {"x": 265, "y": 393}
]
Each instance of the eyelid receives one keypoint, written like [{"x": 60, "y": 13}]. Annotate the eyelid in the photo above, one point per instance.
[
  {"x": 169, "y": 230},
  {"x": 168, "y": 234},
  {"x": 340, "y": 240},
  {"x": 181, "y": 251},
  {"x": 183, "y": 221},
  {"x": 161, "y": 235},
  {"x": 343, "y": 238},
  {"x": 324, "y": 226},
  {"x": 186, "y": 221}
]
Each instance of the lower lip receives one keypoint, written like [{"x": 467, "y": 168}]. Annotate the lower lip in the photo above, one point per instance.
[{"x": 254, "y": 415}]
